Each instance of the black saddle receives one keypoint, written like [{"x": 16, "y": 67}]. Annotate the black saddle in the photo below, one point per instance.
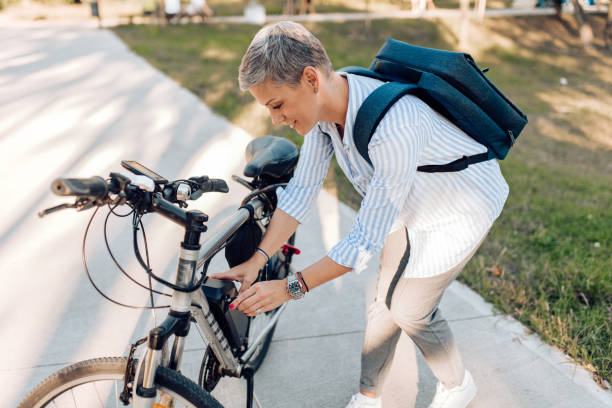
[{"x": 270, "y": 156}]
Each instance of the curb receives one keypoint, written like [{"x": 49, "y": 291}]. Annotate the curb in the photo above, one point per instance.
[{"x": 517, "y": 331}]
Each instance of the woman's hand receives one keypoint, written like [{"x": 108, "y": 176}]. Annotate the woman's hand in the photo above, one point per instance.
[
  {"x": 262, "y": 297},
  {"x": 246, "y": 273}
]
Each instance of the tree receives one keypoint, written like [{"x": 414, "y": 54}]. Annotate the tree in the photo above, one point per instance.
[
  {"x": 608, "y": 29},
  {"x": 584, "y": 29}
]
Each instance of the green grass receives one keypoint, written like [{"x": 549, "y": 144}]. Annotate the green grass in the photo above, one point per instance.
[{"x": 548, "y": 259}]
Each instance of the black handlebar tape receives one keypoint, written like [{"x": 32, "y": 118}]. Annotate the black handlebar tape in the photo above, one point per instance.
[{"x": 93, "y": 187}]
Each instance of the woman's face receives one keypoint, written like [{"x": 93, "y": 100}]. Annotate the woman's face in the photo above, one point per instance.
[{"x": 295, "y": 106}]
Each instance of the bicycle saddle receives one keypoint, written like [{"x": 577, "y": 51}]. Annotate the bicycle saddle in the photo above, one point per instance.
[{"x": 271, "y": 156}]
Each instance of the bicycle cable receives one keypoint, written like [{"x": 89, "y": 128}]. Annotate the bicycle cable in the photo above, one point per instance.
[
  {"x": 144, "y": 236},
  {"x": 136, "y": 222},
  {"x": 161, "y": 280},
  {"x": 84, "y": 256},
  {"x": 111, "y": 211},
  {"x": 259, "y": 192}
]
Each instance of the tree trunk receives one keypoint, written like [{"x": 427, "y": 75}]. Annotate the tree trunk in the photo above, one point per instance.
[
  {"x": 608, "y": 29},
  {"x": 464, "y": 25},
  {"x": 558, "y": 6},
  {"x": 482, "y": 6},
  {"x": 584, "y": 29}
]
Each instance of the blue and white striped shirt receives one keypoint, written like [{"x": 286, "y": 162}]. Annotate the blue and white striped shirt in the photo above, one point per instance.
[{"x": 446, "y": 213}]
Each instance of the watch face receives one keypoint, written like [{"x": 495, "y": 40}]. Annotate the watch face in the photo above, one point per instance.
[{"x": 295, "y": 288}]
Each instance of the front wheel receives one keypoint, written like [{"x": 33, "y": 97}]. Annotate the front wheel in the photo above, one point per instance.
[{"x": 98, "y": 383}]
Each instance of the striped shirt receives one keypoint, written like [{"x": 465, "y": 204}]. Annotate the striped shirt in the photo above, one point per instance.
[{"x": 446, "y": 214}]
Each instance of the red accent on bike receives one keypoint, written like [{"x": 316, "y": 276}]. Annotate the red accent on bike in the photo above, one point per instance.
[{"x": 290, "y": 249}]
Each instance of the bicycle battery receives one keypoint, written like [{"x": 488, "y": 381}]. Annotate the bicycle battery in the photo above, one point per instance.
[{"x": 233, "y": 323}]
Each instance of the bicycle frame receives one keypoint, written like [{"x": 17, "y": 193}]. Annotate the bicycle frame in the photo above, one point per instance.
[{"x": 185, "y": 306}]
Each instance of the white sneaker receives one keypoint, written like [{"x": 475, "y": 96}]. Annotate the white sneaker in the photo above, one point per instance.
[
  {"x": 362, "y": 401},
  {"x": 457, "y": 397}
]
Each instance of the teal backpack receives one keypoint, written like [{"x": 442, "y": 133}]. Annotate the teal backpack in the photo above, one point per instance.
[{"x": 450, "y": 83}]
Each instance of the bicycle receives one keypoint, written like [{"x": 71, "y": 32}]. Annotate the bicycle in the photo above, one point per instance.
[{"x": 237, "y": 344}]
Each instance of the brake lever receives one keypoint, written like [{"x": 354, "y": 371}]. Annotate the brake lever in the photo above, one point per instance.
[
  {"x": 55, "y": 209},
  {"x": 243, "y": 182},
  {"x": 85, "y": 204},
  {"x": 81, "y": 204}
]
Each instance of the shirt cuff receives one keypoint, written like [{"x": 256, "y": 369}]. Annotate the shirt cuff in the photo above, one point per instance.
[{"x": 345, "y": 254}]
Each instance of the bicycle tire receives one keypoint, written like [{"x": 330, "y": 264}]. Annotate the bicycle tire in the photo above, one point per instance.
[{"x": 57, "y": 385}]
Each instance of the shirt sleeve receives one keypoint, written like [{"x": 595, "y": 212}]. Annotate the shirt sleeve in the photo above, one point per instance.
[
  {"x": 303, "y": 188},
  {"x": 394, "y": 150}
]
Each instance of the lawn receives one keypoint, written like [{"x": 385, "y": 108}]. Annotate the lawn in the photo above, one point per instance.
[{"x": 548, "y": 259}]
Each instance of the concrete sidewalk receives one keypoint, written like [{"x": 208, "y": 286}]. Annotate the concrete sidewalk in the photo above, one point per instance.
[{"x": 74, "y": 102}]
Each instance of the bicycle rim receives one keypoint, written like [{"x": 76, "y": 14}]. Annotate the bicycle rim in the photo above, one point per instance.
[{"x": 98, "y": 383}]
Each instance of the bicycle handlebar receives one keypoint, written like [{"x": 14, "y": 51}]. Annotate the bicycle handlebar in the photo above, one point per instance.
[
  {"x": 96, "y": 191},
  {"x": 167, "y": 199}
]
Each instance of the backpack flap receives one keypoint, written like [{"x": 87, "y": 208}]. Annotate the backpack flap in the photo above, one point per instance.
[
  {"x": 466, "y": 115},
  {"x": 457, "y": 69},
  {"x": 459, "y": 111}
]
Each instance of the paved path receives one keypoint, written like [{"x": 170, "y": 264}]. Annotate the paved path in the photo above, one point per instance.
[{"x": 74, "y": 102}]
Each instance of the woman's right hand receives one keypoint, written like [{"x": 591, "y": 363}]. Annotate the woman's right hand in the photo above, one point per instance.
[{"x": 246, "y": 273}]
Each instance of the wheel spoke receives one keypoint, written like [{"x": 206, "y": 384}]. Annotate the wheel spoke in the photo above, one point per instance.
[{"x": 98, "y": 395}]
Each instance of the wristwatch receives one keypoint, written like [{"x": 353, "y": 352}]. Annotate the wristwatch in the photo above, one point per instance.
[{"x": 294, "y": 287}]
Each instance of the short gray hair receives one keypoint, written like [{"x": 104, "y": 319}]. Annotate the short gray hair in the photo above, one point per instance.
[{"x": 279, "y": 52}]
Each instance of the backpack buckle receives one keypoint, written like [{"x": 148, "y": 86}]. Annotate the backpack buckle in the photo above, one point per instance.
[{"x": 461, "y": 164}]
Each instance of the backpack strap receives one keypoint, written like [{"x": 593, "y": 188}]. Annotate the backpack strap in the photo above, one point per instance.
[{"x": 374, "y": 108}]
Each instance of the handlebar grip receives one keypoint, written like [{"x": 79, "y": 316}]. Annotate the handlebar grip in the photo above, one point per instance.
[
  {"x": 208, "y": 185},
  {"x": 93, "y": 187},
  {"x": 219, "y": 185}
]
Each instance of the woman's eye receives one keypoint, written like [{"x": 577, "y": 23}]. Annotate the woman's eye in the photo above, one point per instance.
[{"x": 277, "y": 106}]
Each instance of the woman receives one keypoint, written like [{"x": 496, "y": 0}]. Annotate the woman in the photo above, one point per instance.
[{"x": 445, "y": 215}]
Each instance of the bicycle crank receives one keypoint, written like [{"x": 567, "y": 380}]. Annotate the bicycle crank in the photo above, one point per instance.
[{"x": 210, "y": 371}]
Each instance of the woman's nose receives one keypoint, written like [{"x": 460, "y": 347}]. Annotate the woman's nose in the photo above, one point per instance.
[{"x": 277, "y": 117}]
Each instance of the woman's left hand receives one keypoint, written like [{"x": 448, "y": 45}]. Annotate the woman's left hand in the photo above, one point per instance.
[{"x": 262, "y": 297}]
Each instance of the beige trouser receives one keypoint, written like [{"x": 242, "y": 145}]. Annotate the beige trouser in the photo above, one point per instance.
[{"x": 409, "y": 305}]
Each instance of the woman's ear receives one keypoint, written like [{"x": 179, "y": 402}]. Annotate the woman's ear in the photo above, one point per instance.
[{"x": 310, "y": 77}]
